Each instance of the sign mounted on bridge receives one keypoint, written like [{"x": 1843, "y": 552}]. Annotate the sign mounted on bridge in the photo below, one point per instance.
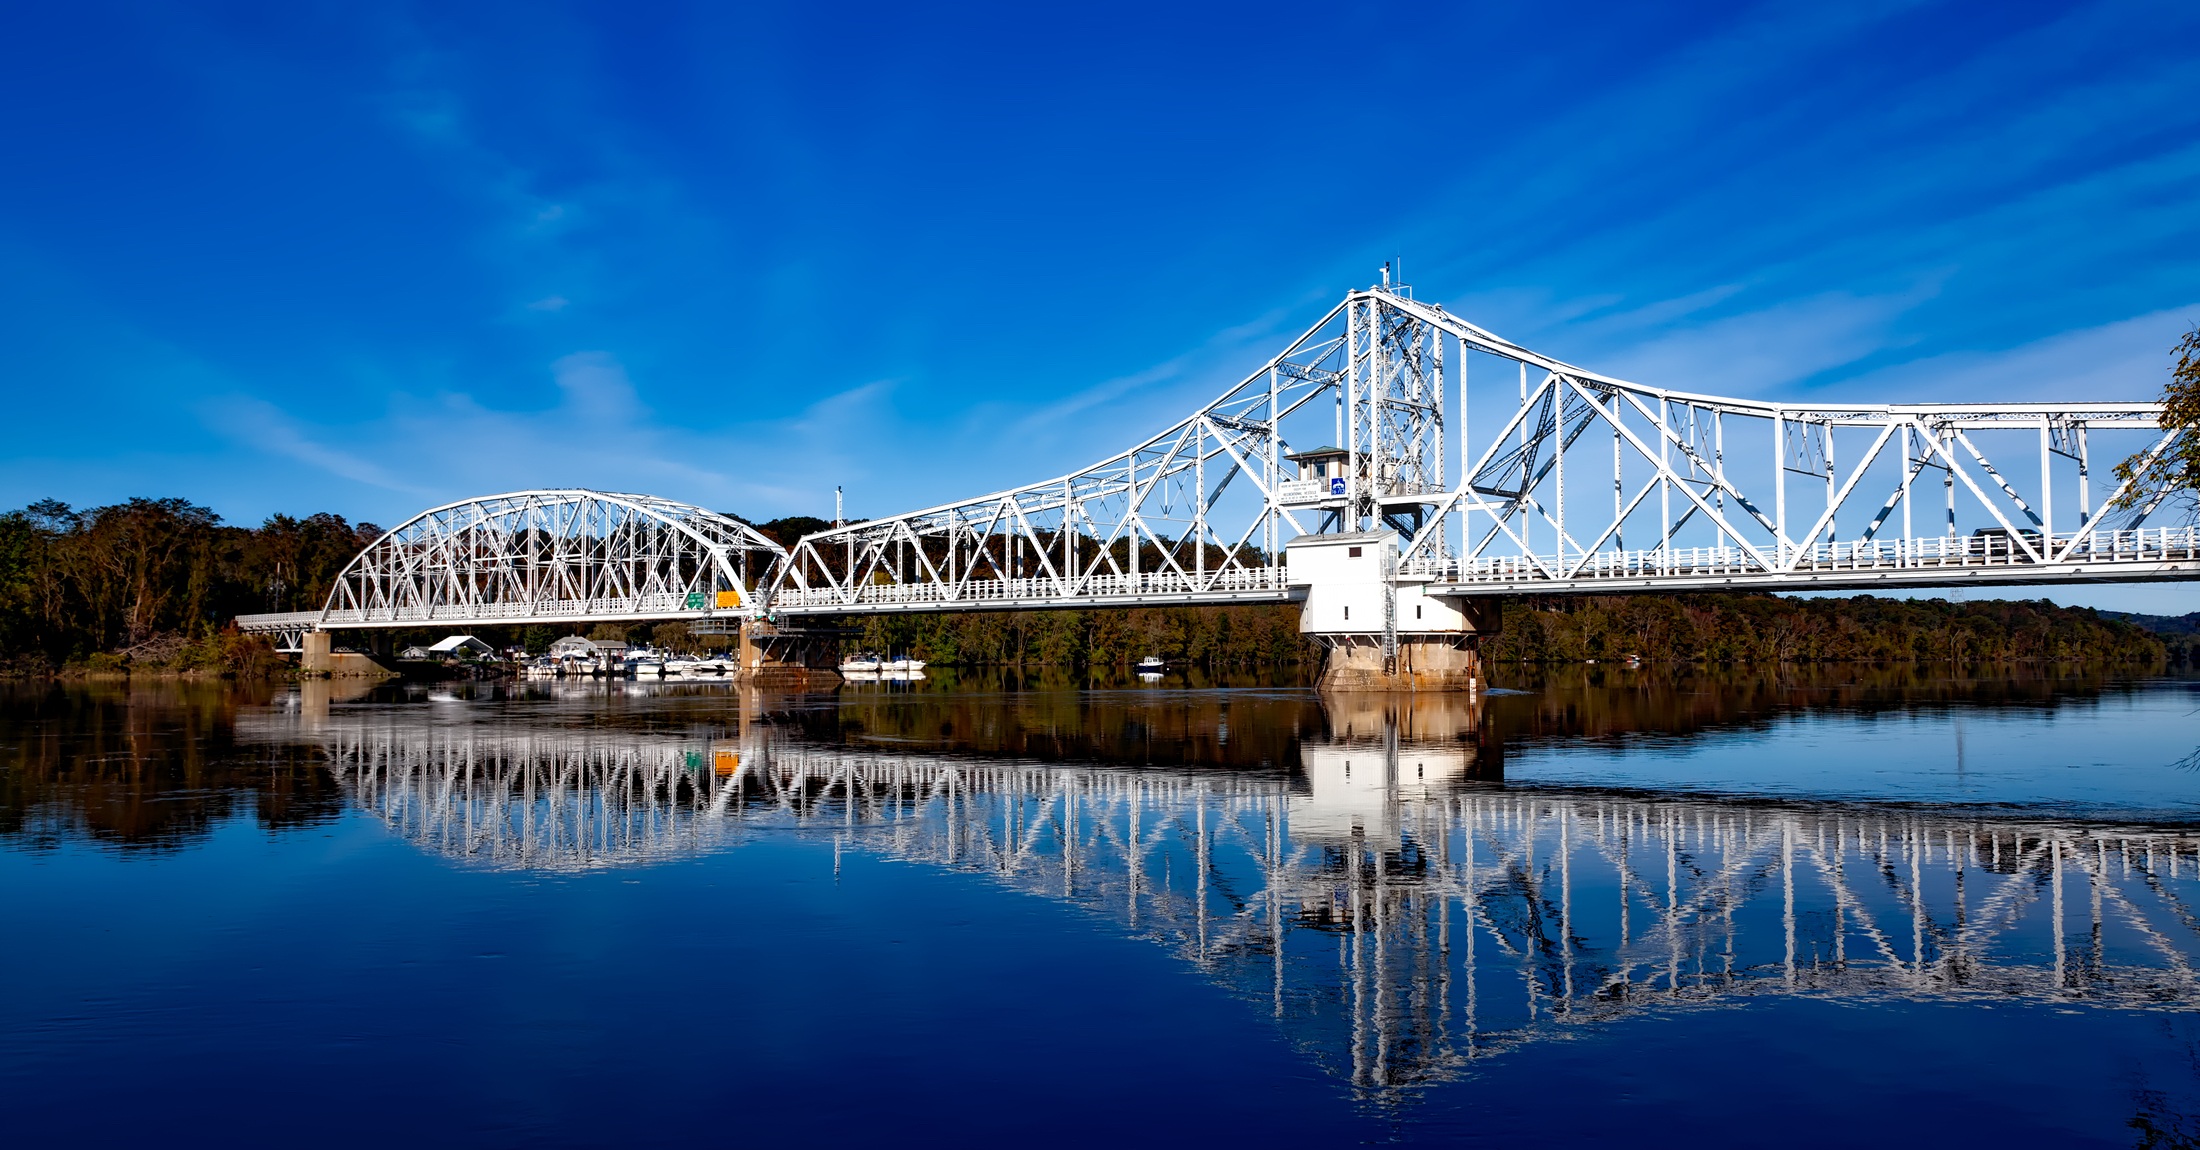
[
  {"x": 1336, "y": 485},
  {"x": 695, "y": 600}
]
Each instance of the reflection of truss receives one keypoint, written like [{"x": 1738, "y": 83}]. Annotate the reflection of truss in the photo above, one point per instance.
[
  {"x": 546, "y": 557},
  {"x": 1399, "y": 941},
  {"x": 544, "y": 800},
  {"x": 1401, "y": 961}
]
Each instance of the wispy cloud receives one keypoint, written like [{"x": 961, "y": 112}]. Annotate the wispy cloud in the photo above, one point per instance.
[
  {"x": 2127, "y": 359},
  {"x": 596, "y": 434},
  {"x": 1770, "y": 350},
  {"x": 1218, "y": 362},
  {"x": 260, "y": 425}
]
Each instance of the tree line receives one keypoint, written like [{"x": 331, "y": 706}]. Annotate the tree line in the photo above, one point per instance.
[
  {"x": 1736, "y": 627},
  {"x": 1755, "y": 627},
  {"x": 154, "y": 583}
]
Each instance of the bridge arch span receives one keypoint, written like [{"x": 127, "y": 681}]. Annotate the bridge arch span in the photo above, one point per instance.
[{"x": 554, "y": 555}]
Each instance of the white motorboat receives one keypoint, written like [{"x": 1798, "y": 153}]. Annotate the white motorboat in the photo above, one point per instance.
[
  {"x": 1151, "y": 665},
  {"x": 902, "y": 663},
  {"x": 865, "y": 662}
]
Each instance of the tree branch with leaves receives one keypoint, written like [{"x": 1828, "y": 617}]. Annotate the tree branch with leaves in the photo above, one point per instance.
[{"x": 2176, "y": 471}]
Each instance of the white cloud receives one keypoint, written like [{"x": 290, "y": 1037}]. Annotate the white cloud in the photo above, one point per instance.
[
  {"x": 260, "y": 424},
  {"x": 1762, "y": 352},
  {"x": 596, "y": 388},
  {"x": 2127, "y": 359},
  {"x": 597, "y": 434},
  {"x": 1219, "y": 362}
]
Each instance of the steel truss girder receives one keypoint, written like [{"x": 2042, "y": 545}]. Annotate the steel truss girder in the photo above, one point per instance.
[
  {"x": 1201, "y": 512},
  {"x": 1143, "y": 526},
  {"x": 564, "y": 555}
]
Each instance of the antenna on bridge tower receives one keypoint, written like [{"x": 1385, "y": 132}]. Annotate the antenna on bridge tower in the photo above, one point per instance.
[
  {"x": 1386, "y": 275},
  {"x": 839, "y": 520}
]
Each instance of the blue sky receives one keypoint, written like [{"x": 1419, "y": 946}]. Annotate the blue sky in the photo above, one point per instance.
[{"x": 364, "y": 258}]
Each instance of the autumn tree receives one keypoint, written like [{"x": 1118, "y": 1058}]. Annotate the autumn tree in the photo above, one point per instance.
[{"x": 2175, "y": 473}]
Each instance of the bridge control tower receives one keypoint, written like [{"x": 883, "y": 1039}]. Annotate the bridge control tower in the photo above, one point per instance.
[
  {"x": 1371, "y": 494},
  {"x": 1383, "y": 630}
]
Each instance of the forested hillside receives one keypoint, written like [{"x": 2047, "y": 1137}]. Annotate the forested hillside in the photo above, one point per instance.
[
  {"x": 1758, "y": 628},
  {"x": 1720, "y": 628},
  {"x": 153, "y": 584},
  {"x": 154, "y": 581}
]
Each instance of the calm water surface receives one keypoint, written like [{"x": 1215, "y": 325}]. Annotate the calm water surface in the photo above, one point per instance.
[{"x": 1661, "y": 908}]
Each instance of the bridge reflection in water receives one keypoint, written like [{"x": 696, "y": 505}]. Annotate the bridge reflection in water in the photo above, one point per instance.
[{"x": 1380, "y": 891}]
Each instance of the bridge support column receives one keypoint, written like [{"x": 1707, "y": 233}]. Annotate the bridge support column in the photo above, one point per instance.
[
  {"x": 1380, "y": 630},
  {"x": 318, "y": 656},
  {"x": 787, "y": 659},
  {"x": 1418, "y": 663}
]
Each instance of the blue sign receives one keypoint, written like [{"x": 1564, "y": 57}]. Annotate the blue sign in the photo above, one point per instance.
[{"x": 1336, "y": 485}]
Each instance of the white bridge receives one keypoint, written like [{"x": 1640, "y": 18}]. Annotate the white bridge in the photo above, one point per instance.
[{"x": 1480, "y": 468}]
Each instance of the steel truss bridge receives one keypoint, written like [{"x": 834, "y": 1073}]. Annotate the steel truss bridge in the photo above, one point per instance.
[
  {"x": 1503, "y": 470},
  {"x": 1400, "y": 918}
]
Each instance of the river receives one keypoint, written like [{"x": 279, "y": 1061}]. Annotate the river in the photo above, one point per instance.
[{"x": 1812, "y": 907}]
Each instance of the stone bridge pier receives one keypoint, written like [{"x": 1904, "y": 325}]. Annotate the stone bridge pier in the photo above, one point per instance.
[{"x": 1380, "y": 632}]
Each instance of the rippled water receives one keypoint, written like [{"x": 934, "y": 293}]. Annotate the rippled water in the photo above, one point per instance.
[{"x": 1610, "y": 904}]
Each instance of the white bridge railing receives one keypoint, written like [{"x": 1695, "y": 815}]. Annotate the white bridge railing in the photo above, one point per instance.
[
  {"x": 2009, "y": 556},
  {"x": 1235, "y": 584},
  {"x": 665, "y": 605}
]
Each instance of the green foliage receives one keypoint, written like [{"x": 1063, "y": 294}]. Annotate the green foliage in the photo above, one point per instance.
[
  {"x": 790, "y": 530},
  {"x": 1710, "y": 628},
  {"x": 153, "y": 582},
  {"x": 2177, "y": 470},
  {"x": 1758, "y": 628}
]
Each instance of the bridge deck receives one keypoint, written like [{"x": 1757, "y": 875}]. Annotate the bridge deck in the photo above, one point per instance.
[{"x": 1962, "y": 561}]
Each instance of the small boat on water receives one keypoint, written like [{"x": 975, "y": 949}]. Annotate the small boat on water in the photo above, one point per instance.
[
  {"x": 1151, "y": 665},
  {"x": 902, "y": 663},
  {"x": 866, "y": 661}
]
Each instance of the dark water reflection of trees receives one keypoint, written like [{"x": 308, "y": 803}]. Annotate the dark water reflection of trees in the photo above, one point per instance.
[
  {"x": 1574, "y": 702},
  {"x": 146, "y": 765},
  {"x": 158, "y": 765}
]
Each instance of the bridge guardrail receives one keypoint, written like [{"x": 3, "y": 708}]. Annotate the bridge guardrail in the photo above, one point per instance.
[
  {"x": 2083, "y": 548},
  {"x": 1193, "y": 585}
]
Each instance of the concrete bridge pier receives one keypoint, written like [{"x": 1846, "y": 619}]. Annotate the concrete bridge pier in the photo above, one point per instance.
[
  {"x": 786, "y": 658},
  {"x": 1382, "y": 632},
  {"x": 318, "y": 656}
]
